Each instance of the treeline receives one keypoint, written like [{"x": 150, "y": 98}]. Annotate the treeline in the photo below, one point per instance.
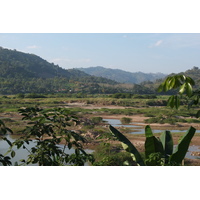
[{"x": 130, "y": 96}]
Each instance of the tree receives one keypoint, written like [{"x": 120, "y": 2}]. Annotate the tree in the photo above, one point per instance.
[
  {"x": 46, "y": 128},
  {"x": 183, "y": 83}
]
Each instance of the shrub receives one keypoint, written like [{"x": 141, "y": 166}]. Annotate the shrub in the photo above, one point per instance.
[
  {"x": 97, "y": 120},
  {"x": 125, "y": 120},
  {"x": 33, "y": 95},
  {"x": 107, "y": 155}
]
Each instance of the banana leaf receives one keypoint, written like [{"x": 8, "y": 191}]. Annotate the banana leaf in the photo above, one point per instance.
[
  {"x": 182, "y": 147},
  {"x": 152, "y": 144},
  {"x": 127, "y": 145},
  {"x": 167, "y": 142}
]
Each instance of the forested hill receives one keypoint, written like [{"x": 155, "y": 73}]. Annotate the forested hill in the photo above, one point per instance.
[
  {"x": 121, "y": 75},
  {"x": 17, "y": 64},
  {"x": 24, "y": 72}
]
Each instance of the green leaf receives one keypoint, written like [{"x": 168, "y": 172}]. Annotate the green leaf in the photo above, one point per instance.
[
  {"x": 12, "y": 154},
  {"x": 176, "y": 101},
  {"x": 2, "y": 123},
  {"x": 172, "y": 83},
  {"x": 190, "y": 80},
  {"x": 182, "y": 89},
  {"x": 170, "y": 101},
  {"x": 167, "y": 142},
  {"x": 198, "y": 114},
  {"x": 152, "y": 144},
  {"x": 183, "y": 146},
  {"x": 148, "y": 131},
  {"x": 8, "y": 141},
  {"x": 69, "y": 145},
  {"x": 189, "y": 89},
  {"x": 129, "y": 147},
  {"x": 161, "y": 87}
]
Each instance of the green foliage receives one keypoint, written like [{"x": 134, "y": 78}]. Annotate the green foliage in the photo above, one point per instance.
[
  {"x": 158, "y": 151},
  {"x": 34, "y": 95},
  {"x": 128, "y": 146},
  {"x": 156, "y": 102},
  {"x": 47, "y": 128},
  {"x": 106, "y": 154},
  {"x": 184, "y": 83},
  {"x": 125, "y": 120},
  {"x": 4, "y": 160},
  {"x": 97, "y": 120},
  {"x": 20, "y": 95},
  {"x": 181, "y": 149},
  {"x": 27, "y": 73}
]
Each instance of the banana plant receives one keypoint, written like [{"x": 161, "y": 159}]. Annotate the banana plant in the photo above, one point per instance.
[{"x": 158, "y": 151}]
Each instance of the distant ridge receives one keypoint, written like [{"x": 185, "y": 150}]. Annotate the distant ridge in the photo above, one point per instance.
[{"x": 121, "y": 75}]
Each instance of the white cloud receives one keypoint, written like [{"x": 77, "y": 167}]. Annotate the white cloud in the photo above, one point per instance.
[{"x": 158, "y": 43}]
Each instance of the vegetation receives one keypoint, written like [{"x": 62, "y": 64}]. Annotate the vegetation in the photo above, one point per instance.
[
  {"x": 125, "y": 120},
  {"x": 27, "y": 73},
  {"x": 158, "y": 152},
  {"x": 47, "y": 129},
  {"x": 106, "y": 154}
]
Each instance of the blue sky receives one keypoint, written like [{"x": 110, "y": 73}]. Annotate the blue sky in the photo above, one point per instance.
[{"x": 146, "y": 52}]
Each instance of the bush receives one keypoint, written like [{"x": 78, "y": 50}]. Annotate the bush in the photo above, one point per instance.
[
  {"x": 97, "y": 120},
  {"x": 125, "y": 120},
  {"x": 33, "y": 95},
  {"x": 107, "y": 155},
  {"x": 21, "y": 96}
]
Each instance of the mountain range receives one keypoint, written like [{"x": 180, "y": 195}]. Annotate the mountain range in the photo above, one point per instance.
[
  {"x": 121, "y": 75},
  {"x": 28, "y": 73}
]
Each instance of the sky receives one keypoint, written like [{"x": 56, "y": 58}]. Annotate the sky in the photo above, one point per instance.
[{"x": 133, "y": 52}]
